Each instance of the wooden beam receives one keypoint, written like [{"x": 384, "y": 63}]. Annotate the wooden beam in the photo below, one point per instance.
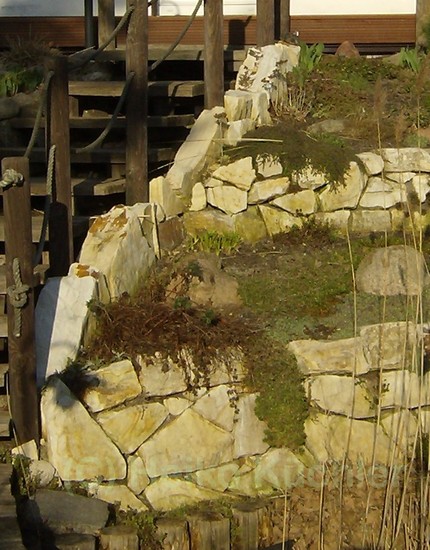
[
  {"x": 284, "y": 19},
  {"x": 265, "y": 22},
  {"x": 137, "y": 186},
  {"x": 214, "y": 54},
  {"x": 22, "y": 356},
  {"x": 89, "y": 23},
  {"x": 106, "y": 22}
]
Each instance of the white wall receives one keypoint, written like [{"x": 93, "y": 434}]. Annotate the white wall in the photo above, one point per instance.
[{"x": 231, "y": 7}]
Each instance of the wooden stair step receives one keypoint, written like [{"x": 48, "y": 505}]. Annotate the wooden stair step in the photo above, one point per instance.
[
  {"x": 4, "y": 367},
  {"x": 94, "y": 187},
  {"x": 4, "y": 424},
  {"x": 80, "y": 226},
  {"x": 100, "y": 122},
  {"x": 162, "y": 88},
  {"x": 100, "y": 156}
]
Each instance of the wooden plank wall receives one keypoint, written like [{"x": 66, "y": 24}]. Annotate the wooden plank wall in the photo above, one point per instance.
[{"x": 69, "y": 32}]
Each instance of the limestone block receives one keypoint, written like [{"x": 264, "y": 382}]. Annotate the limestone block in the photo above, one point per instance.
[
  {"x": 341, "y": 395},
  {"x": 414, "y": 221},
  {"x": 238, "y": 105},
  {"x": 170, "y": 233},
  {"x": 28, "y": 449},
  {"x": 198, "y": 197},
  {"x": 137, "y": 478},
  {"x": 309, "y": 178},
  {"x": 161, "y": 376},
  {"x": 373, "y": 163},
  {"x": 264, "y": 69},
  {"x": 400, "y": 177},
  {"x": 303, "y": 202},
  {"x": 393, "y": 270},
  {"x": 115, "y": 239},
  {"x": 338, "y": 220},
  {"x": 116, "y": 384},
  {"x": 249, "y": 225},
  {"x": 401, "y": 426},
  {"x": 60, "y": 317},
  {"x": 400, "y": 388},
  {"x": 122, "y": 495},
  {"x": 280, "y": 468},
  {"x": 161, "y": 193},
  {"x": 389, "y": 345},
  {"x": 76, "y": 445},
  {"x": 207, "y": 220},
  {"x": 330, "y": 357},
  {"x": 131, "y": 426},
  {"x": 217, "y": 407},
  {"x": 260, "y": 109},
  {"x": 265, "y": 190},
  {"x": 420, "y": 185},
  {"x": 170, "y": 493},
  {"x": 249, "y": 431},
  {"x": 176, "y": 405},
  {"x": 213, "y": 182},
  {"x": 202, "y": 146},
  {"x": 278, "y": 221},
  {"x": 217, "y": 479},
  {"x": 382, "y": 193},
  {"x": 227, "y": 198},
  {"x": 227, "y": 367},
  {"x": 327, "y": 438},
  {"x": 268, "y": 166},
  {"x": 410, "y": 159},
  {"x": 345, "y": 195},
  {"x": 236, "y": 130},
  {"x": 240, "y": 173},
  {"x": 42, "y": 472},
  {"x": 199, "y": 444},
  {"x": 250, "y": 484},
  {"x": 370, "y": 221}
]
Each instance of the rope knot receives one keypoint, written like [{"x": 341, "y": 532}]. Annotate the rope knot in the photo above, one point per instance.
[
  {"x": 10, "y": 178},
  {"x": 18, "y": 296}
]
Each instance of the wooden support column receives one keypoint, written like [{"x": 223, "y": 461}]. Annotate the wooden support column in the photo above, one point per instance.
[
  {"x": 106, "y": 19},
  {"x": 207, "y": 533},
  {"x": 214, "y": 54},
  {"x": 265, "y": 22},
  {"x": 137, "y": 188},
  {"x": 22, "y": 356},
  {"x": 422, "y": 18},
  {"x": 284, "y": 19},
  {"x": 58, "y": 134},
  {"x": 119, "y": 537},
  {"x": 89, "y": 23}
]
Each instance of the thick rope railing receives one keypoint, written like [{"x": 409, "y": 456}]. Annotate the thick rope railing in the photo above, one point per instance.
[
  {"x": 178, "y": 39},
  {"x": 18, "y": 296},
  {"x": 50, "y": 175},
  {"x": 10, "y": 178},
  {"x": 79, "y": 59},
  {"x": 93, "y": 145},
  {"x": 40, "y": 110}
]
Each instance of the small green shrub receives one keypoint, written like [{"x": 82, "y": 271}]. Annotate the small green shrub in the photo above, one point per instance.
[
  {"x": 217, "y": 243},
  {"x": 411, "y": 58},
  {"x": 20, "y": 80}
]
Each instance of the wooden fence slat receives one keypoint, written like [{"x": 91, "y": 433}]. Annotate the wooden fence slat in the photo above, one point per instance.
[
  {"x": 22, "y": 358},
  {"x": 265, "y": 22}
]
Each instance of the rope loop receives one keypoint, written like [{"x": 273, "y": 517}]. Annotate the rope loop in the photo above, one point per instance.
[
  {"x": 10, "y": 178},
  {"x": 18, "y": 296}
]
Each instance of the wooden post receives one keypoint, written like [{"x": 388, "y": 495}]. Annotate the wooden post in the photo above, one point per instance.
[
  {"x": 245, "y": 518},
  {"x": 89, "y": 23},
  {"x": 58, "y": 134},
  {"x": 207, "y": 533},
  {"x": 137, "y": 188},
  {"x": 119, "y": 537},
  {"x": 214, "y": 54},
  {"x": 22, "y": 357},
  {"x": 106, "y": 20},
  {"x": 284, "y": 19},
  {"x": 265, "y": 22},
  {"x": 173, "y": 534},
  {"x": 422, "y": 17}
]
